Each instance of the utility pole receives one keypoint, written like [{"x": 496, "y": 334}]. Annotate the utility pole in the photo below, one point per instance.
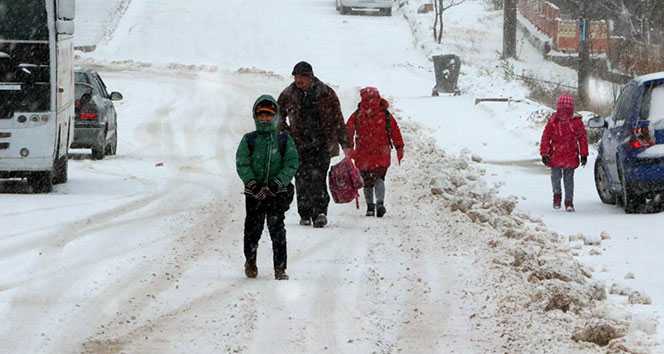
[
  {"x": 584, "y": 56},
  {"x": 509, "y": 29}
]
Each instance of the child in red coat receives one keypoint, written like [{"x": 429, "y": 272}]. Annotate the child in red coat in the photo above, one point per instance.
[
  {"x": 373, "y": 132},
  {"x": 563, "y": 141}
]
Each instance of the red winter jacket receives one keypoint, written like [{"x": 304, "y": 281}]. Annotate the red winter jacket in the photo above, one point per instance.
[
  {"x": 372, "y": 147},
  {"x": 564, "y": 137}
]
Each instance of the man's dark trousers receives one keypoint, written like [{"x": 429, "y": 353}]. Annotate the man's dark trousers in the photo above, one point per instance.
[{"x": 311, "y": 186}]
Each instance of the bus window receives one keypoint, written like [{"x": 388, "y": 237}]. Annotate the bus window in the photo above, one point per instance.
[{"x": 23, "y": 20}]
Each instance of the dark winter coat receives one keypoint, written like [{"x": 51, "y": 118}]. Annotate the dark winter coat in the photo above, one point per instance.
[
  {"x": 314, "y": 118},
  {"x": 564, "y": 138},
  {"x": 266, "y": 162},
  {"x": 371, "y": 145}
]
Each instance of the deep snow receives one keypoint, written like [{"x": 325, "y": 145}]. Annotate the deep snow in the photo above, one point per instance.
[{"x": 132, "y": 257}]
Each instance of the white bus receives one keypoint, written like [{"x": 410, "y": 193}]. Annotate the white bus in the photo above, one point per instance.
[{"x": 36, "y": 90}]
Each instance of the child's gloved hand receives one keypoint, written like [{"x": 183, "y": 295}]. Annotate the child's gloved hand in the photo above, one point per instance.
[
  {"x": 545, "y": 160},
  {"x": 584, "y": 160},
  {"x": 399, "y": 155},
  {"x": 255, "y": 190},
  {"x": 275, "y": 186}
]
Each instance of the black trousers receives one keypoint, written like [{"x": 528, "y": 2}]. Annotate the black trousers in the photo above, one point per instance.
[
  {"x": 271, "y": 209},
  {"x": 311, "y": 186}
]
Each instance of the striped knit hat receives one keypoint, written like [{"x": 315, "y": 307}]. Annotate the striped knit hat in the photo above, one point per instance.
[
  {"x": 266, "y": 106},
  {"x": 565, "y": 101}
]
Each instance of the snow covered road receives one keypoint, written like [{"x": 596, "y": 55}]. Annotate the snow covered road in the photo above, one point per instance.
[{"x": 132, "y": 256}]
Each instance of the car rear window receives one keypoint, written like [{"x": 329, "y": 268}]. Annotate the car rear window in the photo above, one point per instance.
[
  {"x": 80, "y": 89},
  {"x": 81, "y": 77},
  {"x": 652, "y": 106}
]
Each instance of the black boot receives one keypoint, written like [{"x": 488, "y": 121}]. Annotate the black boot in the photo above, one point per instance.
[
  {"x": 320, "y": 221},
  {"x": 280, "y": 274},
  {"x": 250, "y": 269},
  {"x": 380, "y": 210},
  {"x": 371, "y": 209}
]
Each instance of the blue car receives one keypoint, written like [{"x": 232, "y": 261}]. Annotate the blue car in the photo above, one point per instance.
[{"x": 630, "y": 165}]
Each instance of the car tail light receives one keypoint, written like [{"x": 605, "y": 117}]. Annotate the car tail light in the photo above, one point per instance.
[
  {"x": 89, "y": 112},
  {"x": 641, "y": 137}
]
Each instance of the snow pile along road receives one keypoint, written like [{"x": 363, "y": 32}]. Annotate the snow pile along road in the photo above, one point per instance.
[{"x": 529, "y": 289}]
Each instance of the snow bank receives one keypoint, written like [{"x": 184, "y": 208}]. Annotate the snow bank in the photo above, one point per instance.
[{"x": 533, "y": 285}]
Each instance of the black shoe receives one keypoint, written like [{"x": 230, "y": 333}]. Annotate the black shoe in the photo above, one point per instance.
[
  {"x": 280, "y": 274},
  {"x": 371, "y": 209},
  {"x": 321, "y": 220},
  {"x": 305, "y": 221},
  {"x": 250, "y": 269},
  {"x": 380, "y": 210}
]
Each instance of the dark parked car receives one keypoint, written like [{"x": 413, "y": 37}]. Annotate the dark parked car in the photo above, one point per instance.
[
  {"x": 378, "y": 6},
  {"x": 630, "y": 166},
  {"x": 95, "y": 126}
]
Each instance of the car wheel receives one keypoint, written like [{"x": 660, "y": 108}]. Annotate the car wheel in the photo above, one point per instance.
[
  {"x": 98, "y": 153},
  {"x": 108, "y": 150},
  {"x": 387, "y": 11},
  {"x": 631, "y": 201},
  {"x": 114, "y": 143},
  {"x": 606, "y": 195},
  {"x": 41, "y": 182},
  {"x": 344, "y": 10}
]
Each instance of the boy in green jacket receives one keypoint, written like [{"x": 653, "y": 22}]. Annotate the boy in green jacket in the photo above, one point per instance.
[{"x": 266, "y": 161}]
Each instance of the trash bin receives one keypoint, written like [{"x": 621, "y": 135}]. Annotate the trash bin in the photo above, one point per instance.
[{"x": 447, "y": 69}]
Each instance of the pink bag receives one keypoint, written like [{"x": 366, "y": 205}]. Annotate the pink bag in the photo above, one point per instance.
[{"x": 345, "y": 181}]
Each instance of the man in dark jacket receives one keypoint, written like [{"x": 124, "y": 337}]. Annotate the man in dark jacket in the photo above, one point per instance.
[
  {"x": 266, "y": 161},
  {"x": 317, "y": 126}
]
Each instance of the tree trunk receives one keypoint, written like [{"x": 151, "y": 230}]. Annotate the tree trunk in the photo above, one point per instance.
[
  {"x": 436, "y": 9},
  {"x": 509, "y": 29},
  {"x": 440, "y": 22},
  {"x": 584, "y": 63}
]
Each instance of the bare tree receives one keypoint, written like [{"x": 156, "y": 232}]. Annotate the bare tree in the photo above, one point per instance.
[
  {"x": 584, "y": 69},
  {"x": 439, "y": 7}
]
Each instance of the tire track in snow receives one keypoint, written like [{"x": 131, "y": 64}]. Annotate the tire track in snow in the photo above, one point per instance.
[
  {"x": 115, "y": 338},
  {"x": 149, "y": 305}
]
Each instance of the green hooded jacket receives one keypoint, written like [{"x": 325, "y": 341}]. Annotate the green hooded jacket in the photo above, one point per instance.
[{"x": 266, "y": 162}]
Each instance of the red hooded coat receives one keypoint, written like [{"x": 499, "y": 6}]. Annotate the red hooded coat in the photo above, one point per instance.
[
  {"x": 564, "y": 137},
  {"x": 372, "y": 147}
]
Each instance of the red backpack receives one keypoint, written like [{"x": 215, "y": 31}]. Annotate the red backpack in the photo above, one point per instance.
[{"x": 345, "y": 181}]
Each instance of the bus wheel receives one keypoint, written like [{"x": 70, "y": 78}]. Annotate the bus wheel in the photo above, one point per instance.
[
  {"x": 60, "y": 170},
  {"x": 41, "y": 182}
]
